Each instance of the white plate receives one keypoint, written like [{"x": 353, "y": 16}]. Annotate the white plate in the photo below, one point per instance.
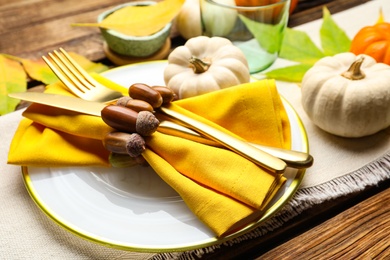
[{"x": 133, "y": 209}]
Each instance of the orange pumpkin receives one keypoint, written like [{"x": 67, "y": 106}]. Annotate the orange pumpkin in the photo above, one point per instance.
[
  {"x": 373, "y": 41},
  {"x": 293, "y": 3}
]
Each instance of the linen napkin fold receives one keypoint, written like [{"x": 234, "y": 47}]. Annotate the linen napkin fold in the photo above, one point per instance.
[
  {"x": 55, "y": 137},
  {"x": 222, "y": 188}
]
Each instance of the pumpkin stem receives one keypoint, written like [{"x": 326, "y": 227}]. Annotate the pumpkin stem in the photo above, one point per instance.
[
  {"x": 199, "y": 65},
  {"x": 354, "y": 72}
]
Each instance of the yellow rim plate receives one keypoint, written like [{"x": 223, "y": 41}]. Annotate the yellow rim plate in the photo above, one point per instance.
[{"x": 132, "y": 209}]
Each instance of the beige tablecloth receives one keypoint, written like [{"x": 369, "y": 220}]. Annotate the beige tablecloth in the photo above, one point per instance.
[{"x": 342, "y": 166}]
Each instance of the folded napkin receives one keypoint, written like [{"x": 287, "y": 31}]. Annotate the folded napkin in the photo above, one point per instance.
[
  {"x": 222, "y": 188},
  {"x": 50, "y": 136}
]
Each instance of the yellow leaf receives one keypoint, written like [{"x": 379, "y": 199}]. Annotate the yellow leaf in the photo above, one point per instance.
[
  {"x": 88, "y": 65},
  {"x": 110, "y": 84},
  {"x": 141, "y": 20},
  {"x": 38, "y": 69},
  {"x": 12, "y": 79}
]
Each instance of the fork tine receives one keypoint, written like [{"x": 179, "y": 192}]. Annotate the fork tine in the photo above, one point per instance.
[
  {"x": 78, "y": 67},
  {"x": 72, "y": 73},
  {"x": 64, "y": 79},
  {"x": 66, "y": 71},
  {"x": 77, "y": 79}
]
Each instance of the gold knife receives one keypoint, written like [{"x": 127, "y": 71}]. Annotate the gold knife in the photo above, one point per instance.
[
  {"x": 62, "y": 101},
  {"x": 294, "y": 159},
  {"x": 241, "y": 147}
]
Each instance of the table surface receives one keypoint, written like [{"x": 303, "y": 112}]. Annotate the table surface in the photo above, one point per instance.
[{"x": 350, "y": 227}]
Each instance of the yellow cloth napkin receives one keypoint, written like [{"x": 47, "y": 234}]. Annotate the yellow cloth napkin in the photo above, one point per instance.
[
  {"x": 50, "y": 136},
  {"x": 223, "y": 189}
]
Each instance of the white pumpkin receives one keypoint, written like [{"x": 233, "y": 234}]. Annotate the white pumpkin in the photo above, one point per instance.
[
  {"x": 348, "y": 95},
  {"x": 189, "y": 21},
  {"x": 205, "y": 64},
  {"x": 217, "y": 19}
]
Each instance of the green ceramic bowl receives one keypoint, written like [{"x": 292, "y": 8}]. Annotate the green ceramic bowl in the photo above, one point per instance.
[{"x": 135, "y": 46}]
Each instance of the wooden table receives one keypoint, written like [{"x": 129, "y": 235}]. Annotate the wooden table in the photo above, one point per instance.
[
  {"x": 356, "y": 226},
  {"x": 32, "y": 28}
]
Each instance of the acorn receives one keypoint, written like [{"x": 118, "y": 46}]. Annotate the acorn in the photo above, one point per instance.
[
  {"x": 167, "y": 94},
  {"x": 134, "y": 104},
  {"x": 146, "y": 93},
  {"x": 124, "y": 143},
  {"x": 127, "y": 120}
]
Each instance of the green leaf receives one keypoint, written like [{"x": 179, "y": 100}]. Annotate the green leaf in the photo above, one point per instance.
[
  {"x": 292, "y": 73},
  {"x": 268, "y": 36},
  {"x": 297, "y": 46},
  {"x": 333, "y": 39},
  {"x": 12, "y": 79}
]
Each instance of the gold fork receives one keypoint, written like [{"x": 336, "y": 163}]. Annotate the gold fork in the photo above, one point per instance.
[
  {"x": 83, "y": 85},
  {"x": 77, "y": 79}
]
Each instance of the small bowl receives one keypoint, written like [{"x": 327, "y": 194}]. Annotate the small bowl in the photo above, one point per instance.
[{"x": 135, "y": 46}]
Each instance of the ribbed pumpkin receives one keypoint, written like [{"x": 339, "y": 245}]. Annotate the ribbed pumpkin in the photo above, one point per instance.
[
  {"x": 204, "y": 64},
  {"x": 374, "y": 41},
  {"x": 348, "y": 95}
]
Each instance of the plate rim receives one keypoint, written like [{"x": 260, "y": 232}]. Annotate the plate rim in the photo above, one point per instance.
[{"x": 277, "y": 206}]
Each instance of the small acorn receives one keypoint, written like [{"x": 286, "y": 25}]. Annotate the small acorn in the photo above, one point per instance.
[
  {"x": 127, "y": 120},
  {"x": 124, "y": 143},
  {"x": 166, "y": 93},
  {"x": 134, "y": 104},
  {"x": 146, "y": 93}
]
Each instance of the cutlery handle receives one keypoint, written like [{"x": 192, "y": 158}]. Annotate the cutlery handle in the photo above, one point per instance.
[
  {"x": 246, "y": 150},
  {"x": 294, "y": 159}
]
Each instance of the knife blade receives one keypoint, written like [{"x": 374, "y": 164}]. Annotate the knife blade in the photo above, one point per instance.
[
  {"x": 61, "y": 101},
  {"x": 294, "y": 159}
]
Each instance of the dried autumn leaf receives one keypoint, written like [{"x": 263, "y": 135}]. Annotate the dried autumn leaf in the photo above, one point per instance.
[
  {"x": 12, "y": 79},
  {"x": 38, "y": 69},
  {"x": 14, "y": 71},
  {"x": 88, "y": 65},
  {"x": 137, "y": 20}
]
